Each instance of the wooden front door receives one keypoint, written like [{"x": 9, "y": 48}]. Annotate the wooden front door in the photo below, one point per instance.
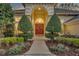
[{"x": 39, "y": 29}]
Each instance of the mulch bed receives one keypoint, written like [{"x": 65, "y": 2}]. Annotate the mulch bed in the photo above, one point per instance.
[
  {"x": 26, "y": 49},
  {"x": 71, "y": 52}
]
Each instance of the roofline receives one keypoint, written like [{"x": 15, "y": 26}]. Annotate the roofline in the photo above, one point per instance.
[{"x": 75, "y": 17}]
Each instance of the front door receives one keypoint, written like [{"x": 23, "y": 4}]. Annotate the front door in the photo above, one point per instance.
[{"x": 39, "y": 29}]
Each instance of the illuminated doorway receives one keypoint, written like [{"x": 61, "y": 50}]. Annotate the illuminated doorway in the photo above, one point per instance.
[
  {"x": 39, "y": 16},
  {"x": 39, "y": 26}
]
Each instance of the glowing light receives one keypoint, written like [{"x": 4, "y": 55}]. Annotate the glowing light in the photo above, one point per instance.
[
  {"x": 39, "y": 8},
  {"x": 39, "y": 20}
]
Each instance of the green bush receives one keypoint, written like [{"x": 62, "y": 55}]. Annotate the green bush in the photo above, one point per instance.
[
  {"x": 25, "y": 26},
  {"x": 27, "y": 36},
  {"x": 30, "y": 35},
  {"x": 15, "y": 50},
  {"x": 20, "y": 39},
  {"x": 9, "y": 30},
  {"x": 59, "y": 47},
  {"x": 74, "y": 41},
  {"x": 49, "y": 35},
  {"x": 8, "y": 40}
]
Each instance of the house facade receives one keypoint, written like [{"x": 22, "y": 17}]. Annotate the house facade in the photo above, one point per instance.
[{"x": 40, "y": 14}]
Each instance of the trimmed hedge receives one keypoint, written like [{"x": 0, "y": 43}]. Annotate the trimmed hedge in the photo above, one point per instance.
[
  {"x": 12, "y": 40},
  {"x": 74, "y": 41}
]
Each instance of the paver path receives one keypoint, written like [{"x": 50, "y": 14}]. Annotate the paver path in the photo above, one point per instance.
[{"x": 39, "y": 48}]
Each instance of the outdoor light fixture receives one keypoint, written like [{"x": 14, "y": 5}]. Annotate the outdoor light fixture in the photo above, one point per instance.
[
  {"x": 39, "y": 8},
  {"x": 39, "y": 20}
]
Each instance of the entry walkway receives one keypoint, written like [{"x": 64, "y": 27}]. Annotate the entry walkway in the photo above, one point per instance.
[{"x": 39, "y": 48}]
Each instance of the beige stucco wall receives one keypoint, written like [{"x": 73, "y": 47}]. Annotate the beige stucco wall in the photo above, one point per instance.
[
  {"x": 72, "y": 27},
  {"x": 62, "y": 20},
  {"x": 16, "y": 22}
]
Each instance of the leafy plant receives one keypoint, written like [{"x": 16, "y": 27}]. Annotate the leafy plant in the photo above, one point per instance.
[
  {"x": 12, "y": 40},
  {"x": 69, "y": 41},
  {"x": 59, "y": 47},
  {"x": 25, "y": 26},
  {"x": 49, "y": 35},
  {"x": 9, "y": 30},
  {"x": 53, "y": 26},
  {"x": 20, "y": 39},
  {"x": 15, "y": 50},
  {"x": 6, "y": 15}
]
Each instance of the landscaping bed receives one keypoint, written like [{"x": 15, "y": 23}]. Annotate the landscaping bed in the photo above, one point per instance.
[
  {"x": 64, "y": 46},
  {"x": 14, "y": 46}
]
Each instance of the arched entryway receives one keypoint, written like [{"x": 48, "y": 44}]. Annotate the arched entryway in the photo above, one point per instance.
[{"x": 39, "y": 15}]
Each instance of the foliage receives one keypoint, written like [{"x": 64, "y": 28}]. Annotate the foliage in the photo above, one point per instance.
[
  {"x": 9, "y": 31},
  {"x": 74, "y": 41},
  {"x": 25, "y": 24},
  {"x": 59, "y": 47},
  {"x": 26, "y": 36},
  {"x": 53, "y": 27},
  {"x": 49, "y": 35},
  {"x": 54, "y": 24},
  {"x": 20, "y": 39},
  {"x": 30, "y": 35},
  {"x": 6, "y": 15},
  {"x": 15, "y": 50},
  {"x": 8, "y": 40}
]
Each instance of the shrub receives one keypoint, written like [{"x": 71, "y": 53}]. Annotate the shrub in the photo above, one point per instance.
[
  {"x": 54, "y": 24},
  {"x": 69, "y": 41},
  {"x": 49, "y": 35},
  {"x": 30, "y": 35},
  {"x": 12, "y": 40},
  {"x": 59, "y": 47},
  {"x": 53, "y": 48},
  {"x": 9, "y": 30},
  {"x": 20, "y": 39},
  {"x": 25, "y": 26},
  {"x": 26, "y": 36},
  {"x": 15, "y": 50},
  {"x": 6, "y": 17}
]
